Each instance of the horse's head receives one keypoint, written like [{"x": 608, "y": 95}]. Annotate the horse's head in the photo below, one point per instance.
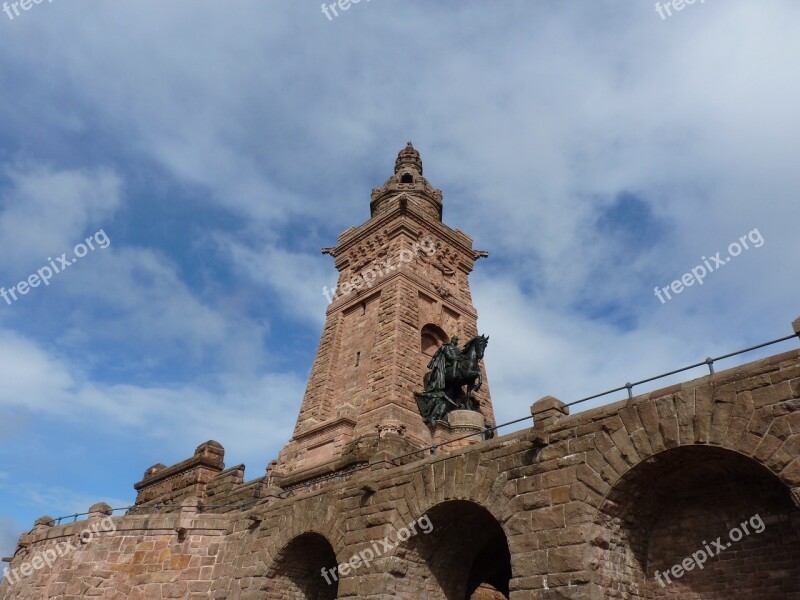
[{"x": 477, "y": 345}]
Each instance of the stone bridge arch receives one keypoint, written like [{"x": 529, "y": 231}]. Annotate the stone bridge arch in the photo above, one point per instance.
[
  {"x": 462, "y": 501},
  {"x": 281, "y": 555},
  {"x": 459, "y": 546},
  {"x": 667, "y": 474},
  {"x": 697, "y": 522},
  {"x": 296, "y": 573}
]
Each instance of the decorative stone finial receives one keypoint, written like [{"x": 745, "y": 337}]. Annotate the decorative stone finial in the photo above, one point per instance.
[{"x": 408, "y": 157}]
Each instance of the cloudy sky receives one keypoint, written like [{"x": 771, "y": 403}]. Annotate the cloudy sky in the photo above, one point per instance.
[{"x": 594, "y": 148}]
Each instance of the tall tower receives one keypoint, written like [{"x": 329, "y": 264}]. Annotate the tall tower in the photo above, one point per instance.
[{"x": 403, "y": 290}]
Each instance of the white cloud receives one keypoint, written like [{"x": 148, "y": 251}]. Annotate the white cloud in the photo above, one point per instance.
[
  {"x": 46, "y": 211},
  {"x": 248, "y": 416},
  {"x": 296, "y": 279}
]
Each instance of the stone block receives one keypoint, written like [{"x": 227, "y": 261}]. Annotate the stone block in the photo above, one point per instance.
[{"x": 547, "y": 411}]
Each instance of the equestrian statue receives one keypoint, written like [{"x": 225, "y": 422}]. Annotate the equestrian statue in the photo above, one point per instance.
[{"x": 451, "y": 369}]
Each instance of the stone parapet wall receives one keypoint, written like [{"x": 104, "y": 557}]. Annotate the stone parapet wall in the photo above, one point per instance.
[
  {"x": 187, "y": 479},
  {"x": 146, "y": 556}
]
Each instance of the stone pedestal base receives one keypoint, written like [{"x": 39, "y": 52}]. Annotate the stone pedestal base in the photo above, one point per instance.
[{"x": 459, "y": 424}]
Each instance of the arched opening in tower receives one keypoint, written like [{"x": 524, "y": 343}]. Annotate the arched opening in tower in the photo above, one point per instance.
[
  {"x": 297, "y": 572},
  {"x": 698, "y": 522},
  {"x": 465, "y": 556}
]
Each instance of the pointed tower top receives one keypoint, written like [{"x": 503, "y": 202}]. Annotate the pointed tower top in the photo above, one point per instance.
[
  {"x": 408, "y": 157},
  {"x": 407, "y": 182}
]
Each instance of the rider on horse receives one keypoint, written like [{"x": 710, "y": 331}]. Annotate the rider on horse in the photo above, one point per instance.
[{"x": 448, "y": 355}]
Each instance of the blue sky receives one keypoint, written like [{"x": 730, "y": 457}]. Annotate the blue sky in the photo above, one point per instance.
[{"x": 596, "y": 151}]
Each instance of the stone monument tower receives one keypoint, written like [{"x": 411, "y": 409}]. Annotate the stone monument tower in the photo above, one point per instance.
[{"x": 403, "y": 290}]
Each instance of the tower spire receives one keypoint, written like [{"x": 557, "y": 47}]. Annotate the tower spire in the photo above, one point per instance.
[{"x": 408, "y": 158}]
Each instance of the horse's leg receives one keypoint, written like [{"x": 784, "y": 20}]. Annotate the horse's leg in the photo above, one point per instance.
[
  {"x": 474, "y": 400},
  {"x": 455, "y": 393}
]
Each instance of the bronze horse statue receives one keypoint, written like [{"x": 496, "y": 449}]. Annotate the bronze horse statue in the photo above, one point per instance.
[{"x": 451, "y": 370}]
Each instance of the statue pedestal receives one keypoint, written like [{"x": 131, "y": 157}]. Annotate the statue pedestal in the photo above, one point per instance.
[{"x": 459, "y": 424}]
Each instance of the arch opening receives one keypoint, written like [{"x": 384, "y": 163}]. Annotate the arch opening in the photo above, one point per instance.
[
  {"x": 698, "y": 522},
  {"x": 296, "y": 573},
  {"x": 432, "y": 336},
  {"x": 465, "y": 556}
]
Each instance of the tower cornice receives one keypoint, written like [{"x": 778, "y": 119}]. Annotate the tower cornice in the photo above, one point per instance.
[{"x": 354, "y": 236}]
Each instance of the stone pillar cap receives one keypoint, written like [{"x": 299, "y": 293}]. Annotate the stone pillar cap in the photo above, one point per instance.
[
  {"x": 154, "y": 469},
  {"x": 45, "y": 521},
  {"x": 547, "y": 410},
  {"x": 211, "y": 446},
  {"x": 549, "y": 403},
  {"x": 101, "y": 508}
]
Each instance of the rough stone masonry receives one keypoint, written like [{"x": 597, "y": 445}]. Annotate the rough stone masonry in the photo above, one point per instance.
[{"x": 582, "y": 506}]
